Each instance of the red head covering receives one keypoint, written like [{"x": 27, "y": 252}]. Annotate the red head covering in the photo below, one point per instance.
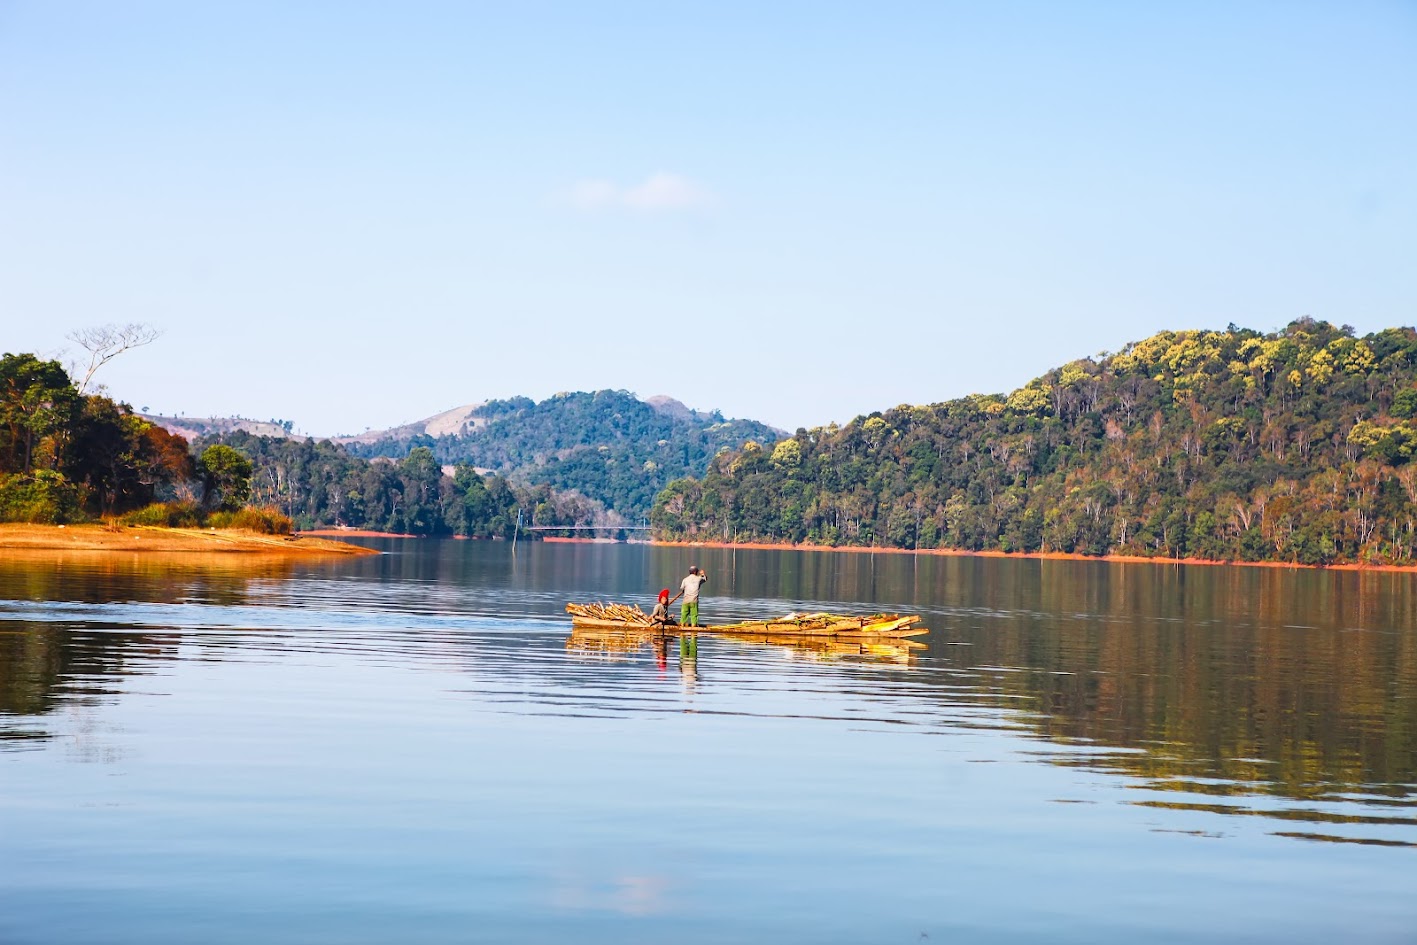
[{"x": 664, "y": 596}]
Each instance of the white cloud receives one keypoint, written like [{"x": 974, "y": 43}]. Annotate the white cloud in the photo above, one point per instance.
[{"x": 661, "y": 192}]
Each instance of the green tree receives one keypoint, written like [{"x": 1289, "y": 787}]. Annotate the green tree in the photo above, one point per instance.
[
  {"x": 110, "y": 455},
  {"x": 37, "y": 405},
  {"x": 63, "y": 453},
  {"x": 226, "y": 477}
]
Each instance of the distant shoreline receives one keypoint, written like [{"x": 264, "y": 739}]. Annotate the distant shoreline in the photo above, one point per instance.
[
  {"x": 371, "y": 533},
  {"x": 367, "y": 533},
  {"x": 141, "y": 539},
  {"x": 353, "y": 533},
  {"x": 1041, "y": 555}
]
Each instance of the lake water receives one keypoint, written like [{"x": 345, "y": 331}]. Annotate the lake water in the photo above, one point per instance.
[{"x": 409, "y": 749}]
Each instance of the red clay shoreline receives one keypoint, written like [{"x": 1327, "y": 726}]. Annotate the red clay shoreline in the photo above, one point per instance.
[
  {"x": 370, "y": 533},
  {"x": 353, "y": 533},
  {"x": 1042, "y": 555},
  {"x": 367, "y": 533}
]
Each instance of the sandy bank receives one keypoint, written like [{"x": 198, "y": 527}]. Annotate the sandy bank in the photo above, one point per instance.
[
  {"x": 1043, "y": 555},
  {"x": 148, "y": 539}
]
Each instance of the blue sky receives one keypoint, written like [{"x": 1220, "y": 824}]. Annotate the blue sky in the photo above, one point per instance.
[{"x": 354, "y": 215}]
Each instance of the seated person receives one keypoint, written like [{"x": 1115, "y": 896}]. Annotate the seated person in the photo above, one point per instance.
[{"x": 660, "y": 616}]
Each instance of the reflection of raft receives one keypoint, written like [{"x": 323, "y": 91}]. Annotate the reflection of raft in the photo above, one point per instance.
[
  {"x": 795, "y": 626},
  {"x": 624, "y": 642}
]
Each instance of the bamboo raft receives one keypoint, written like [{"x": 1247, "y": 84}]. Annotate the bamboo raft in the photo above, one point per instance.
[{"x": 821, "y": 626}]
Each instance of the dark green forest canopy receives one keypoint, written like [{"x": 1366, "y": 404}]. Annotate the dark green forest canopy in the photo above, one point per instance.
[
  {"x": 1232, "y": 445},
  {"x": 606, "y": 445},
  {"x": 67, "y": 456}
]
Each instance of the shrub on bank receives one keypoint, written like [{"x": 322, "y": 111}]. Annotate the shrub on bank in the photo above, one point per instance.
[
  {"x": 166, "y": 515},
  {"x": 43, "y": 497},
  {"x": 266, "y": 520}
]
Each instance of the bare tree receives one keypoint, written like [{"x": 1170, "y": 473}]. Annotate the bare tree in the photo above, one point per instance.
[{"x": 107, "y": 342}]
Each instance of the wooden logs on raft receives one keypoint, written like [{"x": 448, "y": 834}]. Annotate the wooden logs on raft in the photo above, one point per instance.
[{"x": 624, "y": 613}]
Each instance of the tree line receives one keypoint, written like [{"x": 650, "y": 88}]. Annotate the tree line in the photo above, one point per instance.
[
  {"x": 322, "y": 484},
  {"x": 1295, "y": 445}
]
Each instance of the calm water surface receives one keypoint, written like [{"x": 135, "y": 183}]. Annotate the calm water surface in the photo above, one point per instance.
[{"x": 409, "y": 749}]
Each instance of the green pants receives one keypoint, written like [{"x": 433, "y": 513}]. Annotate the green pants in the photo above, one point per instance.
[{"x": 689, "y": 613}]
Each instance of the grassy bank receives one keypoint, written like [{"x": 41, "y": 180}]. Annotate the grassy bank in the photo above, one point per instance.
[{"x": 143, "y": 538}]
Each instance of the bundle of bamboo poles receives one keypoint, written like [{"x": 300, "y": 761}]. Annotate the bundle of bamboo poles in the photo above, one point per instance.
[
  {"x": 821, "y": 620},
  {"x": 629, "y": 614},
  {"x": 873, "y": 625}
]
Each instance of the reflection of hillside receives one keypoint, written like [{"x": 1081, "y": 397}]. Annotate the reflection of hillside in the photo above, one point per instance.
[{"x": 1295, "y": 684}]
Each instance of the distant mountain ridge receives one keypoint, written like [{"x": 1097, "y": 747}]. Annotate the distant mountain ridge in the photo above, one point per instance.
[
  {"x": 606, "y": 445},
  {"x": 453, "y": 422},
  {"x": 192, "y": 428}
]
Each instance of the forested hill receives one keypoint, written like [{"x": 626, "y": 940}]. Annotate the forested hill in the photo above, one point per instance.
[
  {"x": 607, "y": 445},
  {"x": 1233, "y": 445}
]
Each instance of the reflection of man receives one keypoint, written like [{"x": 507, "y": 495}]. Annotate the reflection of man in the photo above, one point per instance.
[
  {"x": 689, "y": 590},
  {"x": 689, "y": 659}
]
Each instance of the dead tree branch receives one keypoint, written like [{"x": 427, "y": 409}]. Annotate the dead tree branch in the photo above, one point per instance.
[{"x": 107, "y": 342}]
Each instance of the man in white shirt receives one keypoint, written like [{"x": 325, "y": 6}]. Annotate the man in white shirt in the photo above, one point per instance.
[{"x": 689, "y": 590}]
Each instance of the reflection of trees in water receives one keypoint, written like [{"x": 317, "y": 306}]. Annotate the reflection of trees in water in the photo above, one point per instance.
[
  {"x": 1293, "y": 683},
  {"x": 45, "y": 665},
  {"x": 150, "y": 577},
  {"x": 44, "y": 668}
]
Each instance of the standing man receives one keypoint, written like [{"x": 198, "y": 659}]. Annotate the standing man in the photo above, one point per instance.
[{"x": 689, "y": 590}]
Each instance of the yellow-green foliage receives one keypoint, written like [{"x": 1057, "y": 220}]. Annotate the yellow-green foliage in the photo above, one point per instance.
[
  {"x": 1394, "y": 442},
  {"x": 787, "y": 453},
  {"x": 43, "y": 497},
  {"x": 1029, "y": 400},
  {"x": 1362, "y": 360},
  {"x": 875, "y": 427},
  {"x": 1320, "y": 367},
  {"x": 267, "y": 521},
  {"x": 166, "y": 515}
]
